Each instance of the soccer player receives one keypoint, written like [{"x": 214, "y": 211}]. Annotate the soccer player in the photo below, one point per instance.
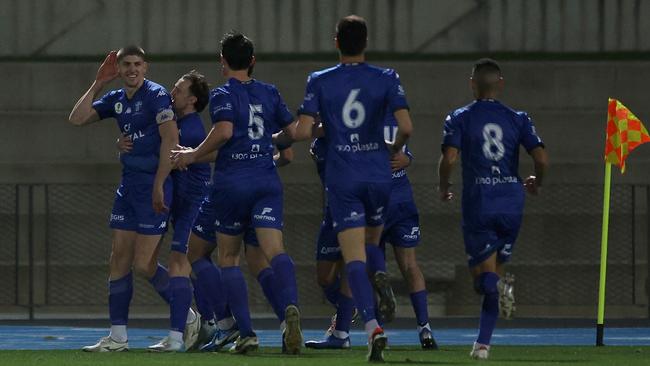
[
  {"x": 208, "y": 276},
  {"x": 143, "y": 110},
  {"x": 401, "y": 231},
  {"x": 488, "y": 134},
  {"x": 247, "y": 191},
  {"x": 352, "y": 99}
]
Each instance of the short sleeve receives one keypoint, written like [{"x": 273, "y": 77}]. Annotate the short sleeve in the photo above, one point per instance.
[
  {"x": 310, "y": 104},
  {"x": 161, "y": 105},
  {"x": 396, "y": 94},
  {"x": 106, "y": 106},
  {"x": 221, "y": 107},
  {"x": 283, "y": 116},
  {"x": 529, "y": 138},
  {"x": 452, "y": 132}
]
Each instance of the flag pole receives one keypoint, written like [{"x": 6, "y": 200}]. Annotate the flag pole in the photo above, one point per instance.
[{"x": 600, "y": 326}]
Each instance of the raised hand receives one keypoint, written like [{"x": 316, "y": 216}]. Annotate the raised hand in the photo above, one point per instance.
[{"x": 108, "y": 69}]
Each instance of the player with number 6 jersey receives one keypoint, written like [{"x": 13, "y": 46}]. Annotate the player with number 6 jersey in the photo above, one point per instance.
[{"x": 352, "y": 99}]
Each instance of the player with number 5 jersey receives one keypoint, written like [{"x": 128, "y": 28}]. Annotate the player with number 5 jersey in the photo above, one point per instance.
[
  {"x": 352, "y": 99},
  {"x": 247, "y": 192}
]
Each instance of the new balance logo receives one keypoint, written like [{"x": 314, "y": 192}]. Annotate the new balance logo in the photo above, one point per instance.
[{"x": 163, "y": 225}]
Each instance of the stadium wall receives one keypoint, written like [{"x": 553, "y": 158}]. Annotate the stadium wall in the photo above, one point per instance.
[{"x": 34, "y": 28}]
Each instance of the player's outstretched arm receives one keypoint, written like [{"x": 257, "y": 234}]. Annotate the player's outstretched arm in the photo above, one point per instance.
[
  {"x": 220, "y": 133},
  {"x": 404, "y": 129},
  {"x": 540, "y": 159},
  {"x": 168, "y": 139},
  {"x": 283, "y": 157},
  {"x": 304, "y": 128},
  {"x": 445, "y": 167},
  {"x": 83, "y": 111}
]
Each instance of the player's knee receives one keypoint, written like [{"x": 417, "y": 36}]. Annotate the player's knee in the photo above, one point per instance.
[
  {"x": 486, "y": 283},
  {"x": 144, "y": 268}
]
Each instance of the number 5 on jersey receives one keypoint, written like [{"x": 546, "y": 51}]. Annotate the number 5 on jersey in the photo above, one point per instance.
[{"x": 255, "y": 122}]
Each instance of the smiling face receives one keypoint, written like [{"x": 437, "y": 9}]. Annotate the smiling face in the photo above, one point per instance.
[
  {"x": 182, "y": 97},
  {"x": 132, "y": 69}
]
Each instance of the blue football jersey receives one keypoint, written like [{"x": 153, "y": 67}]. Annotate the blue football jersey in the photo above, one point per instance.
[
  {"x": 256, "y": 111},
  {"x": 193, "y": 180},
  {"x": 489, "y": 134},
  {"x": 352, "y": 100},
  {"x": 138, "y": 118},
  {"x": 402, "y": 191}
]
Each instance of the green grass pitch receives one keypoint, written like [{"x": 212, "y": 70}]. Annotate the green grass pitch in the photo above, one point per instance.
[{"x": 447, "y": 355}]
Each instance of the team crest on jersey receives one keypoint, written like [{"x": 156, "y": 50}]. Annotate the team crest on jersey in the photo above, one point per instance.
[{"x": 118, "y": 107}]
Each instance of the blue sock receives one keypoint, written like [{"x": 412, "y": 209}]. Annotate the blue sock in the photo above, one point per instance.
[
  {"x": 266, "y": 279},
  {"x": 120, "y": 292},
  {"x": 202, "y": 302},
  {"x": 208, "y": 277},
  {"x": 332, "y": 291},
  {"x": 181, "y": 299},
  {"x": 419, "y": 302},
  {"x": 237, "y": 293},
  {"x": 344, "y": 313},
  {"x": 286, "y": 288},
  {"x": 361, "y": 289},
  {"x": 489, "y": 307},
  {"x": 160, "y": 282},
  {"x": 376, "y": 261}
]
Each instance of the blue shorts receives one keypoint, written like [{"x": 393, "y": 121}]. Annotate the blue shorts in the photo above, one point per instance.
[
  {"x": 184, "y": 211},
  {"x": 133, "y": 209},
  {"x": 256, "y": 204},
  {"x": 402, "y": 227},
  {"x": 488, "y": 234},
  {"x": 327, "y": 244},
  {"x": 357, "y": 204},
  {"x": 204, "y": 225}
]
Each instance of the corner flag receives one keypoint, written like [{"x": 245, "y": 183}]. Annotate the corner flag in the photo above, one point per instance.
[{"x": 624, "y": 133}]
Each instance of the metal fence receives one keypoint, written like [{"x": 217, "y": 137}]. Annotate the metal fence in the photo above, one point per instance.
[{"x": 55, "y": 246}]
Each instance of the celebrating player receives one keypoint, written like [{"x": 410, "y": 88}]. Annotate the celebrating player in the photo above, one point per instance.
[
  {"x": 352, "y": 99},
  {"x": 488, "y": 134},
  {"x": 143, "y": 110},
  {"x": 247, "y": 191}
]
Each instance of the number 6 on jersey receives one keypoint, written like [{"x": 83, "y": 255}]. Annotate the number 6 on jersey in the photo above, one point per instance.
[{"x": 353, "y": 105}]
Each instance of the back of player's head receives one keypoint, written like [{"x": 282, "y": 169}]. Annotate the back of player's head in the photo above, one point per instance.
[
  {"x": 199, "y": 88},
  {"x": 352, "y": 35},
  {"x": 131, "y": 51},
  {"x": 238, "y": 50},
  {"x": 486, "y": 73}
]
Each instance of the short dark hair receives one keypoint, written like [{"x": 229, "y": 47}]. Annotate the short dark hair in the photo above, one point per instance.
[
  {"x": 486, "y": 66},
  {"x": 131, "y": 51},
  {"x": 486, "y": 73},
  {"x": 352, "y": 35},
  {"x": 238, "y": 50},
  {"x": 199, "y": 88}
]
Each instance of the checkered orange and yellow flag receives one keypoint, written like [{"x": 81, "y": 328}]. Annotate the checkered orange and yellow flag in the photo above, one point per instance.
[{"x": 624, "y": 133}]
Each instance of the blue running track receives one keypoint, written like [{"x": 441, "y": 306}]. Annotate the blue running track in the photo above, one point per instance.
[{"x": 45, "y": 337}]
